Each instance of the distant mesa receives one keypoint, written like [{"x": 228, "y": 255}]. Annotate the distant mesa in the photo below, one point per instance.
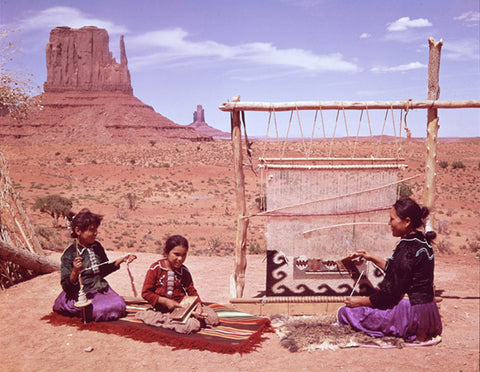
[
  {"x": 79, "y": 60},
  {"x": 201, "y": 126},
  {"x": 88, "y": 98}
]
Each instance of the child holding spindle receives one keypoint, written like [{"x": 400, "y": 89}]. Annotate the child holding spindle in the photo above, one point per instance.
[
  {"x": 166, "y": 284},
  {"x": 84, "y": 266},
  {"x": 409, "y": 271}
]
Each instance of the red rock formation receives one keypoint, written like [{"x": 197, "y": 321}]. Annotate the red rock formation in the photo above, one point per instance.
[
  {"x": 201, "y": 126},
  {"x": 88, "y": 98},
  {"x": 80, "y": 59}
]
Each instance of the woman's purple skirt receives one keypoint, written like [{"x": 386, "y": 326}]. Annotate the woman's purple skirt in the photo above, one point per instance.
[
  {"x": 106, "y": 305},
  {"x": 403, "y": 320}
]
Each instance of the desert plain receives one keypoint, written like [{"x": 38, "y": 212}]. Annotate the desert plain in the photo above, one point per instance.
[{"x": 149, "y": 191}]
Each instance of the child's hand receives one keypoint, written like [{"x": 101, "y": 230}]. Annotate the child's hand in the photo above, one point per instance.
[
  {"x": 171, "y": 304},
  {"x": 198, "y": 312},
  {"x": 77, "y": 264},
  {"x": 130, "y": 258}
]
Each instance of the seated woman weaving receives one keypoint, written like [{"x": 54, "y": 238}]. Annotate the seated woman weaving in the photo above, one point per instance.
[
  {"x": 409, "y": 271},
  {"x": 166, "y": 284}
]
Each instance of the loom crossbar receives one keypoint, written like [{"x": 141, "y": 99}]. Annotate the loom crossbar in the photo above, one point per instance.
[{"x": 333, "y": 166}]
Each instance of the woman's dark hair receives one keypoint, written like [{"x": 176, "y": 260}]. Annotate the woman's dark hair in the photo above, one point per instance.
[
  {"x": 83, "y": 220},
  {"x": 407, "y": 207},
  {"x": 174, "y": 241}
]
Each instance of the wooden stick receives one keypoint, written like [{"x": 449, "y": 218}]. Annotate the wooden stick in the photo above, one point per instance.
[
  {"x": 242, "y": 221},
  {"x": 348, "y": 105},
  {"x": 432, "y": 125}
]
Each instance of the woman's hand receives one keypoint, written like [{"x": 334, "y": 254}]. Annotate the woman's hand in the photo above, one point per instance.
[
  {"x": 361, "y": 253},
  {"x": 357, "y": 301}
]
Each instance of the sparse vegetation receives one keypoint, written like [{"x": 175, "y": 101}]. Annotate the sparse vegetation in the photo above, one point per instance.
[
  {"x": 55, "y": 205},
  {"x": 443, "y": 164},
  {"x": 404, "y": 190},
  {"x": 458, "y": 164}
]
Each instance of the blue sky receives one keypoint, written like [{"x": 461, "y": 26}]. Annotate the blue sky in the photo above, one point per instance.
[{"x": 183, "y": 53}]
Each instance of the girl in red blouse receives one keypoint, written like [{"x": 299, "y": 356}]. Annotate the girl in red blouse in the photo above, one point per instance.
[{"x": 166, "y": 283}]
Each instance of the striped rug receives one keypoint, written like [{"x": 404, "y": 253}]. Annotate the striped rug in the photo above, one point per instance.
[{"x": 238, "y": 332}]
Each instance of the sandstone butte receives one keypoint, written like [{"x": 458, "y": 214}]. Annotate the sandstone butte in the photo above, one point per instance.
[
  {"x": 88, "y": 98},
  {"x": 200, "y": 125}
]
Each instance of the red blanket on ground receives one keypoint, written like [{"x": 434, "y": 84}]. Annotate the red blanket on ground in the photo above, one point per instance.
[{"x": 237, "y": 332}]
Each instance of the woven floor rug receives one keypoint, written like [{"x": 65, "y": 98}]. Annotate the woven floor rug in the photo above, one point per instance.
[
  {"x": 321, "y": 332},
  {"x": 237, "y": 332}
]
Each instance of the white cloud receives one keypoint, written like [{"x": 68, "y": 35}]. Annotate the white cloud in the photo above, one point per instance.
[
  {"x": 461, "y": 50},
  {"x": 405, "y": 23},
  {"x": 66, "y": 16},
  {"x": 400, "y": 68},
  {"x": 469, "y": 18},
  {"x": 172, "y": 46},
  {"x": 365, "y": 35}
]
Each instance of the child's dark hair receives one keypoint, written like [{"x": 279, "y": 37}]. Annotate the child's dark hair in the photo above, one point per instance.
[
  {"x": 83, "y": 220},
  {"x": 174, "y": 241},
  {"x": 407, "y": 207}
]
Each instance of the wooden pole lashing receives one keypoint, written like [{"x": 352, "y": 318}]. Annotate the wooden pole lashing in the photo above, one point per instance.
[{"x": 242, "y": 222}]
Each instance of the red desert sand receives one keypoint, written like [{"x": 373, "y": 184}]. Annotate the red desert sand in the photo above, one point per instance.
[{"x": 188, "y": 188}]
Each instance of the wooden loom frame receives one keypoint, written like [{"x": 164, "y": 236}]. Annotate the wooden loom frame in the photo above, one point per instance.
[{"x": 432, "y": 104}]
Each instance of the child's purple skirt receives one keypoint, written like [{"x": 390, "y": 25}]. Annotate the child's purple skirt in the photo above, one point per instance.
[
  {"x": 403, "y": 320},
  {"x": 106, "y": 305}
]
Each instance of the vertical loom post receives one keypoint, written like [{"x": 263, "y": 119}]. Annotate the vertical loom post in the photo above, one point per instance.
[
  {"x": 242, "y": 221},
  {"x": 432, "y": 124}
]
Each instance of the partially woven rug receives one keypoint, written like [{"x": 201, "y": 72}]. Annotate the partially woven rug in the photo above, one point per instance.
[
  {"x": 237, "y": 332},
  {"x": 321, "y": 332}
]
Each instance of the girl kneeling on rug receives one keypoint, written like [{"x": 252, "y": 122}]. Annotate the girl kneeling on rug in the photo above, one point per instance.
[
  {"x": 84, "y": 265},
  {"x": 166, "y": 284},
  {"x": 409, "y": 271}
]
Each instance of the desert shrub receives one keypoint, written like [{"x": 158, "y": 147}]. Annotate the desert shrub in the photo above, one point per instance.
[
  {"x": 132, "y": 201},
  {"x": 404, "y": 190},
  {"x": 122, "y": 214},
  {"x": 458, "y": 164},
  {"x": 55, "y": 205},
  {"x": 68, "y": 159},
  {"x": 255, "y": 248},
  {"x": 51, "y": 239},
  {"x": 472, "y": 246},
  {"x": 444, "y": 246},
  {"x": 43, "y": 232},
  {"x": 443, "y": 164},
  {"x": 443, "y": 227}
]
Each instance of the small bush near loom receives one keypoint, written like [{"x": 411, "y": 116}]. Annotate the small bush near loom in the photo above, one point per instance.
[
  {"x": 443, "y": 164},
  {"x": 255, "y": 248},
  {"x": 458, "y": 164},
  {"x": 404, "y": 190}
]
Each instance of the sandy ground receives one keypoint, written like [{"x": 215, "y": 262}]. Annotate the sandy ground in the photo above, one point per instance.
[
  {"x": 189, "y": 188},
  {"x": 28, "y": 343}
]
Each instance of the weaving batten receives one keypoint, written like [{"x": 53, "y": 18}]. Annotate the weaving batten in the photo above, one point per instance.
[{"x": 309, "y": 232}]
